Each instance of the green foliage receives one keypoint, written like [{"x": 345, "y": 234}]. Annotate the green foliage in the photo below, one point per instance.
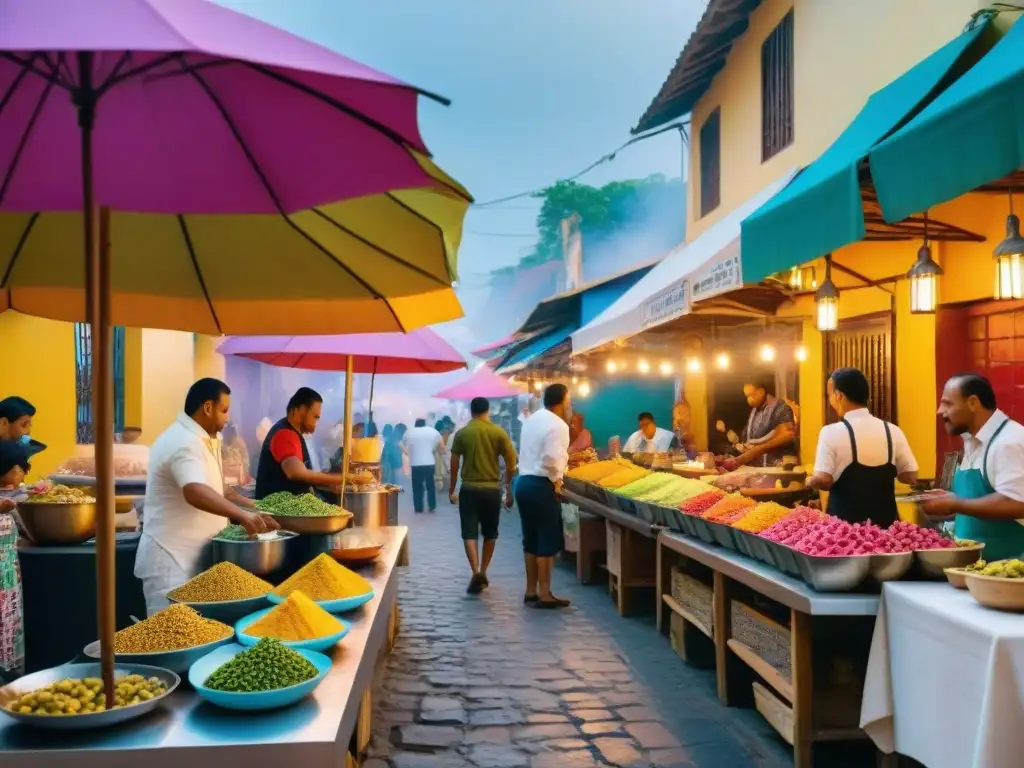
[{"x": 602, "y": 211}]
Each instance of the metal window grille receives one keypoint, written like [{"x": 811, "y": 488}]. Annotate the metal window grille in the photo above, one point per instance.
[
  {"x": 83, "y": 381},
  {"x": 777, "y": 89},
  {"x": 865, "y": 343},
  {"x": 711, "y": 163}
]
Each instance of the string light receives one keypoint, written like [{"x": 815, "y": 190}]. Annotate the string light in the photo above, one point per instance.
[
  {"x": 693, "y": 365},
  {"x": 665, "y": 368},
  {"x": 644, "y": 367},
  {"x": 538, "y": 385},
  {"x": 583, "y": 390},
  {"x": 722, "y": 361},
  {"x": 767, "y": 353},
  {"x": 801, "y": 354},
  {"x": 611, "y": 367}
]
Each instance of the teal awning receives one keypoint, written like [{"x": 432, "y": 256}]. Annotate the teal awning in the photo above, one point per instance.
[
  {"x": 972, "y": 134},
  {"x": 820, "y": 210},
  {"x": 533, "y": 348}
]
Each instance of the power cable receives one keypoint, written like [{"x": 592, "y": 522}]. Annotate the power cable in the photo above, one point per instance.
[{"x": 680, "y": 126}]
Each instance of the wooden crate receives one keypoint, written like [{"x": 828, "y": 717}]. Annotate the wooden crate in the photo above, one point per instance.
[
  {"x": 768, "y": 639},
  {"x": 778, "y": 714},
  {"x": 695, "y": 597}
]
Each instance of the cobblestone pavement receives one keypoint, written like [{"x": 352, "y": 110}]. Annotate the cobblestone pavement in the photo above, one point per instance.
[{"x": 484, "y": 682}]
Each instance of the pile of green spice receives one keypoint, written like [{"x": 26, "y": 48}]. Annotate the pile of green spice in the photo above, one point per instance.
[
  {"x": 267, "y": 666},
  {"x": 290, "y": 505},
  {"x": 233, "y": 533}
]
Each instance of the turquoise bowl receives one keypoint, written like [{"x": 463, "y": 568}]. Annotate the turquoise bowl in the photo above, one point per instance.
[
  {"x": 282, "y": 697},
  {"x": 316, "y": 644},
  {"x": 334, "y": 606}
]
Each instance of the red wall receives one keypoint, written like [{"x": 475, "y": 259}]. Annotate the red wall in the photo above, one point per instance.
[{"x": 985, "y": 338}]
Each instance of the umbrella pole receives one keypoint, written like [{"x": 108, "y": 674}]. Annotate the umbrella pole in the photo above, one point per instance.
[
  {"x": 346, "y": 450},
  {"x": 97, "y": 281},
  {"x": 369, "y": 409}
]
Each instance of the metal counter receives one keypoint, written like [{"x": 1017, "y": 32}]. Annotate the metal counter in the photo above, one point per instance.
[
  {"x": 769, "y": 581},
  {"x": 188, "y": 732}
]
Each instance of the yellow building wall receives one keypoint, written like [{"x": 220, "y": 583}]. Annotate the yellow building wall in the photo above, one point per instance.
[
  {"x": 41, "y": 368},
  {"x": 208, "y": 364},
  {"x": 843, "y": 52},
  {"x": 695, "y": 385},
  {"x": 166, "y": 369}
]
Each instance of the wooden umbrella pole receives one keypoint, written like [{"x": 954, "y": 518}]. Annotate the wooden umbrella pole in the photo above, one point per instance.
[
  {"x": 97, "y": 309},
  {"x": 346, "y": 450}
]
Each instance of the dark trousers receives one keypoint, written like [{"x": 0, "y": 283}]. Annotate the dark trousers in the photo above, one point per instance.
[{"x": 423, "y": 479}]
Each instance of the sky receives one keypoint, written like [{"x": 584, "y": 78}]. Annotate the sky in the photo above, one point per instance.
[{"x": 539, "y": 89}]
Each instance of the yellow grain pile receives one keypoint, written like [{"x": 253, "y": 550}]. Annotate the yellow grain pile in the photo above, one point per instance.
[
  {"x": 172, "y": 629},
  {"x": 323, "y": 578},
  {"x": 597, "y": 470},
  {"x": 762, "y": 517},
  {"x": 222, "y": 583},
  {"x": 297, "y": 618}
]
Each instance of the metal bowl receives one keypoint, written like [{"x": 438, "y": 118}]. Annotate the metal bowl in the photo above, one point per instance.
[
  {"x": 257, "y": 556},
  {"x": 52, "y": 523},
  {"x": 833, "y": 574},
  {"x": 931, "y": 563},
  {"x": 322, "y": 525},
  {"x": 45, "y": 677},
  {"x": 176, "y": 661},
  {"x": 891, "y": 567}
]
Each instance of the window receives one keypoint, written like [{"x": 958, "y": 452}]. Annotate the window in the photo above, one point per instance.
[
  {"x": 777, "y": 89},
  {"x": 83, "y": 381},
  {"x": 711, "y": 163},
  {"x": 866, "y": 343}
]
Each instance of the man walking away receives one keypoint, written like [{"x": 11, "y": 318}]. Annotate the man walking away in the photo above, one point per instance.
[
  {"x": 542, "y": 465},
  {"x": 478, "y": 446},
  {"x": 422, "y": 441}
]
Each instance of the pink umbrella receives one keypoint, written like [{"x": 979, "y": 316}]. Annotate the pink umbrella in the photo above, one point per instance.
[
  {"x": 421, "y": 351},
  {"x": 483, "y": 383},
  {"x": 489, "y": 350}
]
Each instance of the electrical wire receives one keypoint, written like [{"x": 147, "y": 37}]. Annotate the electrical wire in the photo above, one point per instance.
[{"x": 680, "y": 126}]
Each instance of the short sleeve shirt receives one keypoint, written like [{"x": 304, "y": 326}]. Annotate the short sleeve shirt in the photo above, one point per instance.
[
  {"x": 835, "y": 452},
  {"x": 286, "y": 444},
  {"x": 1005, "y": 468},
  {"x": 479, "y": 445}
]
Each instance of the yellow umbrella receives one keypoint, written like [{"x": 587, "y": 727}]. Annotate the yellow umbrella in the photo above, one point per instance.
[{"x": 386, "y": 262}]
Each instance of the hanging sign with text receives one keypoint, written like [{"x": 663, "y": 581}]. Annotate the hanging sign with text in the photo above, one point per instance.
[
  {"x": 723, "y": 273},
  {"x": 667, "y": 304}
]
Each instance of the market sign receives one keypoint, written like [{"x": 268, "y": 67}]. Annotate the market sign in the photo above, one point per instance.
[
  {"x": 721, "y": 274},
  {"x": 667, "y": 304}
]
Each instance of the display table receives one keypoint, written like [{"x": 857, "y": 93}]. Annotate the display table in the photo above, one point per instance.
[
  {"x": 185, "y": 731},
  {"x": 945, "y": 681},
  {"x": 629, "y": 550},
  {"x": 798, "y": 686}
]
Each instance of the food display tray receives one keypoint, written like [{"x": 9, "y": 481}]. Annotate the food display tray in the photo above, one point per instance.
[
  {"x": 833, "y": 574},
  {"x": 722, "y": 535}
]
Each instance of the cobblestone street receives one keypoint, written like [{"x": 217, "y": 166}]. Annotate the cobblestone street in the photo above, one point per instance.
[{"x": 484, "y": 682}]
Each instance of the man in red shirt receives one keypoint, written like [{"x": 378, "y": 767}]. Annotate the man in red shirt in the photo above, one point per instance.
[{"x": 284, "y": 463}]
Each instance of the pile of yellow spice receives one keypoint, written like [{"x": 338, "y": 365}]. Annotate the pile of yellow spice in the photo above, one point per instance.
[
  {"x": 297, "y": 618},
  {"x": 323, "y": 578},
  {"x": 223, "y": 582},
  {"x": 172, "y": 629}
]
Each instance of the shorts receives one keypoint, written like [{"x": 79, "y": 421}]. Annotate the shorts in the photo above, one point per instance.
[
  {"x": 540, "y": 512},
  {"x": 479, "y": 512}
]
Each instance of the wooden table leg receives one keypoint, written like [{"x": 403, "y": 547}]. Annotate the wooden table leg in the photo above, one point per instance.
[
  {"x": 363, "y": 730},
  {"x": 660, "y": 560},
  {"x": 722, "y": 632},
  {"x": 393, "y": 626},
  {"x": 803, "y": 688}
]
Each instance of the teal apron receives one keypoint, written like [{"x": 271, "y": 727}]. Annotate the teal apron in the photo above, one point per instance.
[{"x": 1002, "y": 538}]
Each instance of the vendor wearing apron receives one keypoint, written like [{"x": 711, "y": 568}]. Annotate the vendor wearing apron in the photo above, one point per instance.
[
  {"x": 285, "y": 463},
  {"x": 186, "y": 502},
  {"x": 860, "y": 457},
  {"x": 771, "y": 430},
  {"x": 988, "y": 487}
]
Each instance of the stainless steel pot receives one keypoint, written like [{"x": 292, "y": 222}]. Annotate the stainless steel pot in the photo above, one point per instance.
[
  {"x": 258, "y": 557},
  {"x": 372, "y": 509}
]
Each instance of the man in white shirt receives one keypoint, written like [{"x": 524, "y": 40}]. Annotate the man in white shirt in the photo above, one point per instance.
[
  {"x": 650, "y": 438},
  {"x": 543, "y": 460},
  {"x": 860, "y": 457},
  {"x": 186, "y": 503},
  {"x": 988, "y": 487},
  {"x": 421, "y": 442}
]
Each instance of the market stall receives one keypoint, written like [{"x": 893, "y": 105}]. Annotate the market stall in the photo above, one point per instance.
[
  {"x": 780, "y": 600},
  {"x": 321, "y": 730}
]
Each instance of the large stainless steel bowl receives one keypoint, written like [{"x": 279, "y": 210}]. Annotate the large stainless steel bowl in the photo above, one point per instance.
[
  {"x": 930, "y": 563},
  {"x": 41, "y": 679},
  {"x": 259, "y": 556},
  {"x": 54, "y": 524},
  {"x": 321, "y": 525}
]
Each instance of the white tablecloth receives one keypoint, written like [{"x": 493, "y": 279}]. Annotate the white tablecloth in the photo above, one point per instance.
[{"x": 945, "y": 681}]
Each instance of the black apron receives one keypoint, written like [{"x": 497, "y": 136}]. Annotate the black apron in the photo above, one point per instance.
[
  {"x": 865, "y": 493},
  {"x": 270, "y": 478}
]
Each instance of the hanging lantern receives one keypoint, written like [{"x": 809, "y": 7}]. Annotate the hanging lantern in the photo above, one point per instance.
[
  {"x": 826, "y": 300},
  {"x": 1009, "y": 255},
  {"x": 802, "y": 278},
  {"x": 924, "y": 279}
]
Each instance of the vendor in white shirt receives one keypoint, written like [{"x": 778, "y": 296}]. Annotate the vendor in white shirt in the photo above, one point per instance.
[
  {"x": 650, "y": 438},
  {"x": 988, "y": 487},
  {"x": 860, "y": 457},
  {"x": 186, "y": 503},
  {"x": 543, "y": 461}
]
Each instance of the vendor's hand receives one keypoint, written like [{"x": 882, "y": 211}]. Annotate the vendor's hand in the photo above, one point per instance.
[
  {"x": 558, "y": 488},
  {"x": 509, "y": 501},
  {"x": 453, "y": 497},
  {"x": 256, "y": 523},
  {"x": 940, "y": 509},
  {"x": 6, "y": 505}
]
